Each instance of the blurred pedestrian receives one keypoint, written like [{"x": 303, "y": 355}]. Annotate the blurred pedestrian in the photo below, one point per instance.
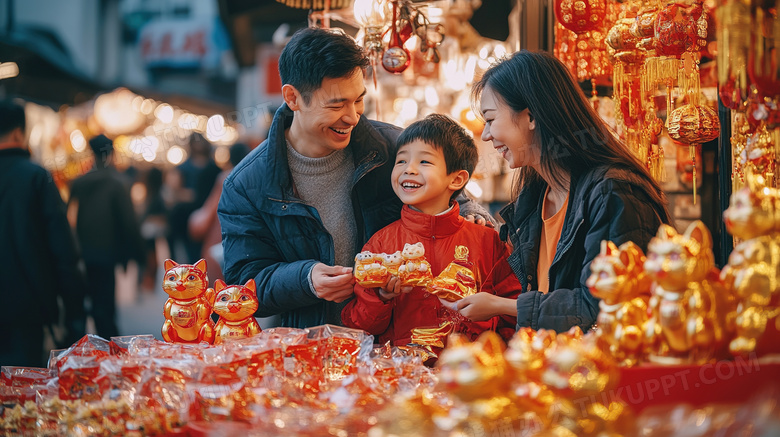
[
  {"x": 107, "y": 230},
  {"x": 198, "y": 172},
  {"x": 39, "y": 259},
  {"x": 154, "y": 225},
  {"x": 203, "y": 223}
]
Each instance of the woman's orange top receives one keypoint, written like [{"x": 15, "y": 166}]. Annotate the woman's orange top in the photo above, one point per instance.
[{"x": 551, "y": 233}]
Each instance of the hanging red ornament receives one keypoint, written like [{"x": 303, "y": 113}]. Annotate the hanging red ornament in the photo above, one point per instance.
[
  {"x": 763, "y": 58},
  {"x": 680, "y": 28},
  {"x": 580, "y": 15},
  {"x": 395, "y": 58}
]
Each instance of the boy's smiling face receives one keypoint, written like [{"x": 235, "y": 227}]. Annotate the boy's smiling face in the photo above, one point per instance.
[{"x": 420, "y": 177}]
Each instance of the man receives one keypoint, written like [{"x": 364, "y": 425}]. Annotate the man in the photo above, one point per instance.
[
  {"x": 107, "y": 230},
  {"x": 38, "y": 259},
  {"x": 299, "y": 207}
]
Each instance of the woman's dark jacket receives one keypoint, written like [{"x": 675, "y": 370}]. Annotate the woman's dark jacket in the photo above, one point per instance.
[{"x": 604, "y": 204}]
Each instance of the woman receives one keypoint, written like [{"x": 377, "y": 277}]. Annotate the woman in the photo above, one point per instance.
[{"x": 577, "y": 185}]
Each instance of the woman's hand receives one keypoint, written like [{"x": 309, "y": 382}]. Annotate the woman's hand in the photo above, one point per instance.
[{"x": 483, "y": 306}]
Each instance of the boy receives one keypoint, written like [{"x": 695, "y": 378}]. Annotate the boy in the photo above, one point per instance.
[{"x": 434, "y": 161}]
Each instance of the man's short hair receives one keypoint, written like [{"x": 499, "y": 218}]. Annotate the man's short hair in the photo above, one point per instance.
[
  {"x": 445, "y": 134},
  {"x": 11, "y": 117},
  {"x": 313, "y": 54}
]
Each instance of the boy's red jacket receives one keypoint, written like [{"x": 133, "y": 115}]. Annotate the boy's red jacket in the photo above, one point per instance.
[{"x": 394, "y": 320}]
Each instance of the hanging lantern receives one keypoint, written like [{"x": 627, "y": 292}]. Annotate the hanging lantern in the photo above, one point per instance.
[
  {"x": 580, "y": 16},
  {"x": 693, "y": 124}
]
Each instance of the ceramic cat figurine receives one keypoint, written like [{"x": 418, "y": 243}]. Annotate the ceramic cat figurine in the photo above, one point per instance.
[
  {"x": 188, "y": 309},
  {"x": 457, "y": 280},
  {"x": 235, "y": 305},
  {"x": 369, "y": 271},
  {"x": 415, "y": 269},
  {"x": 619, "y": 280},
  {"x": 753, "y": 269},
  {"x": 392, "y": 261},
  {"x": 689, "y": 306}
]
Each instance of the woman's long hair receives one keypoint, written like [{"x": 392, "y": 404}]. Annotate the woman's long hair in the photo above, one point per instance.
[{"x": 570, "y": 135}]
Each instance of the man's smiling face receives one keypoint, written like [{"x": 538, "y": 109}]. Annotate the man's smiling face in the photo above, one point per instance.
[{"x": 324, "y": 124}]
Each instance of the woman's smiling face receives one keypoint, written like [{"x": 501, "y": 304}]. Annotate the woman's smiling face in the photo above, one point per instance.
[{"x": 512, "y": 133}]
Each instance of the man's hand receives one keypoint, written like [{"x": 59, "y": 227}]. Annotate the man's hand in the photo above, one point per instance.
[
  {"x": 478, "y": 219},
  {"x": 335, "y": 284},
  {"x": 392, "y": 289}
]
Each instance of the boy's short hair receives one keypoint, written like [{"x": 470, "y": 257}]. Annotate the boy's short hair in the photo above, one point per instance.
[
  {"x": 445, "y": 134},
  {"x": 313, "y": 54}
]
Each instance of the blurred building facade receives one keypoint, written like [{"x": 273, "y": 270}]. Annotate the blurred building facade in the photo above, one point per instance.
[{"x": 163, "y": 49}]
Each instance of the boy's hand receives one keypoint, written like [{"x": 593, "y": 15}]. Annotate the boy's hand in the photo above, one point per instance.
[
  {"x": 333, "y": 283},
  {"x": 393, "y": 289}
]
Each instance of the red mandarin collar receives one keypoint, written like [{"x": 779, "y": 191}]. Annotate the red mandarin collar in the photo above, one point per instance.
[{"x": 436, "y": 225}]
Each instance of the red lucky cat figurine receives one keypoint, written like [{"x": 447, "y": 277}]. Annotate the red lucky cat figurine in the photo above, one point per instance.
[
  {"x": 188, "y": 310},
  {"x": 235, "y": 305}
]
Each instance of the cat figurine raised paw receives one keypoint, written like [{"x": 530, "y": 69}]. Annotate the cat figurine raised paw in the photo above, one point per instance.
[
  {"x": 188, "y": 309},
  {"x": 235, "y": 305}
]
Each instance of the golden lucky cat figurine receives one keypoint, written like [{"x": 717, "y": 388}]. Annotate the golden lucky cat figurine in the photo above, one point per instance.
[
  {"x": 235, "y": 305},
  {"x": 618, "y": 278},
  {"x": 753, "y": 269},
  {"x": 576, "y": 371},
  {"x": 188, "y": 309},
  {"x": 478, "y": 375},
  {"x": 690, "y": 306}
]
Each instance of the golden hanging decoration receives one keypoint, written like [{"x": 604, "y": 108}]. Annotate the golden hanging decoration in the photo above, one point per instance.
[
  {"x": 693, "y": 124},
  {"x": 316, "y": 5}
]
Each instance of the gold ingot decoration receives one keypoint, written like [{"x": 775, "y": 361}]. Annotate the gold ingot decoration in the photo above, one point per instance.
[{"x": 457, "y": 280}]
